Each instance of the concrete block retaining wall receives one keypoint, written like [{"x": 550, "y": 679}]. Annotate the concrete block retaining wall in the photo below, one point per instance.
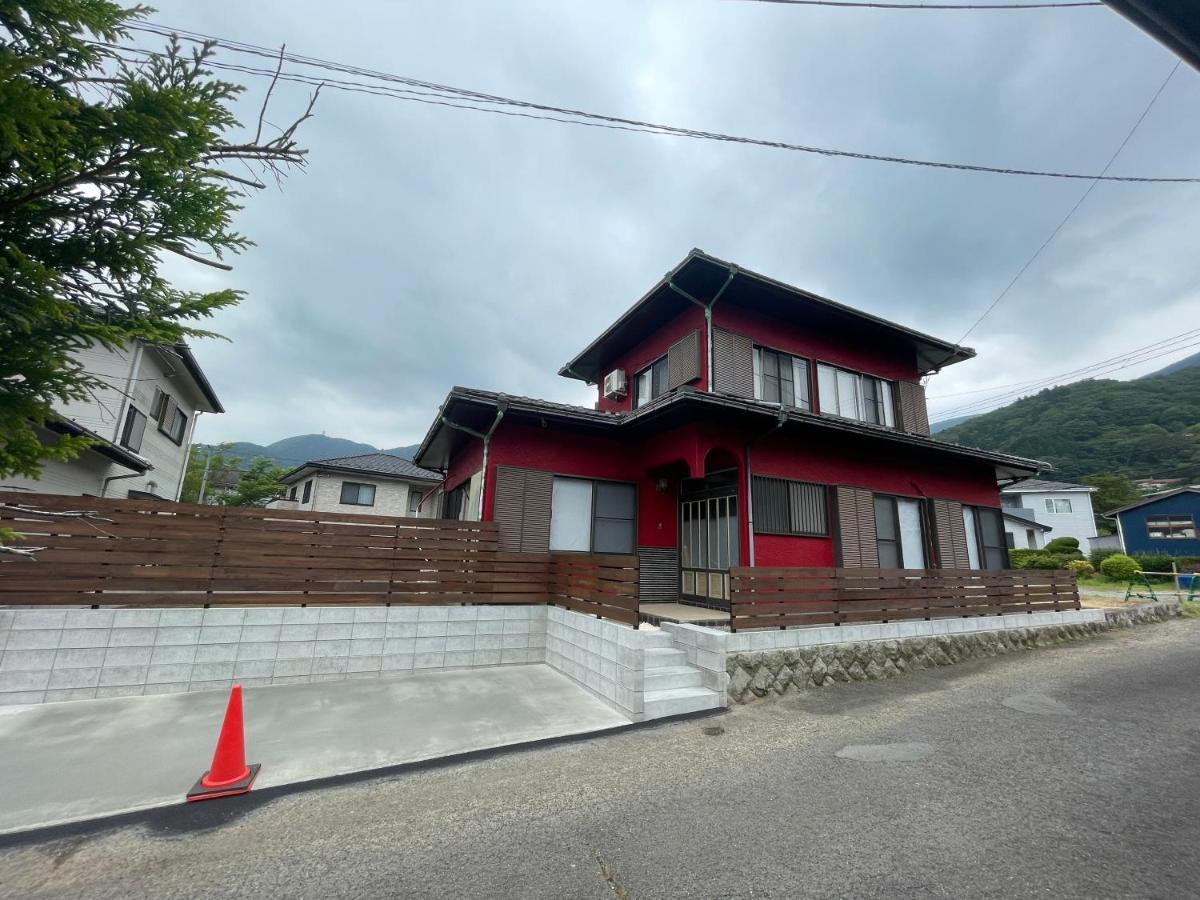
[
  {"x": 72, "y": 654},
  {"x": 765, "y": 664},
  {"x": 605, "y": 657}
]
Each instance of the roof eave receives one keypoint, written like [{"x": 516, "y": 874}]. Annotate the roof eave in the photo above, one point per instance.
[{"x": 943, "y": 352}]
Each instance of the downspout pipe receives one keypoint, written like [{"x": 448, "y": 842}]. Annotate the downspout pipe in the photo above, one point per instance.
[
  {"x": 780, "y": 419},
  {"x": 708, "y": 319},
  {"x": 486, "y": 437}
]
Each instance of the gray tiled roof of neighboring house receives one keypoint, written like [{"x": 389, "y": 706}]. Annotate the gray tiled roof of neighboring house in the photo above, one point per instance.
[
  {"x": 375, "y": 463},
  {"x": 1024, "y": 516},
  {"x": 1037, "y": 485}
]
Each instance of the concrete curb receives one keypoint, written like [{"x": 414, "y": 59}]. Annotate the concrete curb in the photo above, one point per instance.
[{"x": 184, "y": 817}]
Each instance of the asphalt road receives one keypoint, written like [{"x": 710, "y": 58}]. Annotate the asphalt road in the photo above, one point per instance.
[{"x": 1065, "y": 772}]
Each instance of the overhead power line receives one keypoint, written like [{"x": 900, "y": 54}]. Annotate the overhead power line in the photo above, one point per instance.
[
  {"x": 1059, "y": 227},
  {"x": 862, "y": 4},
  {"x": 1150, "y": 352},
  {"x": 419, "y": 91}
]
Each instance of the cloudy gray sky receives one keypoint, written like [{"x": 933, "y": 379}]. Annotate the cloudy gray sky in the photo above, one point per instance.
[{"x": 426, "y": 247}]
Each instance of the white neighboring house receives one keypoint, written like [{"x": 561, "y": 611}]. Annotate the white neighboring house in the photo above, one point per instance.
[
  {"x": 1063, "y": 507},
  {"x": 1023, "y": 532},
  {"x": 142, "y": 418},
  {"x": 375, "y": 483}
]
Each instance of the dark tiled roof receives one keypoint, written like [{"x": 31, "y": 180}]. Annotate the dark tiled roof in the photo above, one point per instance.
[
  {"x": 375, "y": 463},
  {"x": 1037, "y": 485},
  {"x": 592, "y": 417},
  {"x": 1151, "y": 498}
]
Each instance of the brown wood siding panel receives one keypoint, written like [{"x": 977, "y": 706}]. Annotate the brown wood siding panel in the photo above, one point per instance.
[
  {"x": 914, "y": 414},
  {"x": 856, "y": 527},
  {"x": 733, "y": 363},
  {"x": 951, "y": 534},
  {"x": 522, "y": 509},
  {"x": 658, "y": 574},
  {"x": 683, "y": 360},
  {"x": 509, "y": 506},
  {"x": 535, "y": 522}
]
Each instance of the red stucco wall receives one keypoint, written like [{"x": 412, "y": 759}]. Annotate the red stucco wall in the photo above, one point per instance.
[
  {"x": 652, "y": 348},
  {"x": 841, "y": 348},
  {"x": 682, "y": 452}
]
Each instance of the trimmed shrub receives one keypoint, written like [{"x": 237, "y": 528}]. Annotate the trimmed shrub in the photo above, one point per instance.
[
  {"x": 1119, "y": 567},
  {"x": 1063, "y": 545},
  {"x": 1081, "y": 567},
  {"x": 1098, "y": 556},
  {"x": 1155, "y": 562},
  {"x": 1036, "y": 559}
]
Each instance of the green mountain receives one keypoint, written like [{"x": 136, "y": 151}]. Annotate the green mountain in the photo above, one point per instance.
[
  {"x": 294, "y": 451},
  {"x": 939, "y": 427},
  {"x": 1186, "y": 363},
  {"x": 1148, "y": 426}
]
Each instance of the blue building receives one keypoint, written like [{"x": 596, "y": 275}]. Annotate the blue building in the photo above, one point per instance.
[{"x": 1161, "y": 523}]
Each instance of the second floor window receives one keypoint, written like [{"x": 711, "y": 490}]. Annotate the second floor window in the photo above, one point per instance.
[
  {"x": 172, "y": 421},
  {"x": 853, "y": 395},
  {"x": 135, "y": 427},
  {"x": 355, "y": 494},
  {"x": 1057, "y": 506},
  {"x": 781, "y": 378},
  {"x": 649, "y": 383}
]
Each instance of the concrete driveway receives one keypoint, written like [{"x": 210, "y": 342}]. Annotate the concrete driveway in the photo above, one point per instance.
[
  {"x": 1069, "y": 772},
  {"x": 86, "y": 758}
]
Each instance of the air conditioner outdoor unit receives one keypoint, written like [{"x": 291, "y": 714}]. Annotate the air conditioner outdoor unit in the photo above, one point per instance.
[{"x": 614, "y": 384}]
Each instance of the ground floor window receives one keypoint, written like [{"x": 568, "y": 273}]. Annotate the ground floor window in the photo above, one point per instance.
[
  {"x": 592, "y": 516},
  {"x": 454, "y": 503},
  {"x": 356, "y": 494},
  {"x": 782, "y": 506},
  {"x": 987, "y": 542},
  {"x": 414, "y": 501},
  {"x": 1167, "y": 527},
  {"x": 900, "y": 532}
]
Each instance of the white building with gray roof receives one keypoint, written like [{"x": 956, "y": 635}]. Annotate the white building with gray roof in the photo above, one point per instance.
[
  {"x": 1063, "y": 507},
  {"x": 373, "y": 483}
]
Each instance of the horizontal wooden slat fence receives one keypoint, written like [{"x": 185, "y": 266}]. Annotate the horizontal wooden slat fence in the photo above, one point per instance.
[
  {"x": 147, "y": 553},
  {"x": 782, "y": 597},
  {"x": 603, "y": 585}
]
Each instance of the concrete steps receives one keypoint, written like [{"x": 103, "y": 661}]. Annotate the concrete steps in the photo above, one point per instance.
[
  {"x": 677, "y": 701},
  {"x": 668, "y": 678},
  {"x": 672, "y": 686}
]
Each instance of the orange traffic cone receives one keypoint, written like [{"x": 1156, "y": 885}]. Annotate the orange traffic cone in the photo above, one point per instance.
[{"x": 229, "y": 773}]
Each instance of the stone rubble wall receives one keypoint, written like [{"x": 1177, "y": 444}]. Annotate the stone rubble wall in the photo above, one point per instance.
[{"x": 772, "y": 673}]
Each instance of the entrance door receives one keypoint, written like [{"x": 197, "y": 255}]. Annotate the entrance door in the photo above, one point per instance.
[{"x": 708, "y": 538}]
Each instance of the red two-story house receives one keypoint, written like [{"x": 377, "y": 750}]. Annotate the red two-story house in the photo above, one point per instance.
[{"x": 740, "y": 421}]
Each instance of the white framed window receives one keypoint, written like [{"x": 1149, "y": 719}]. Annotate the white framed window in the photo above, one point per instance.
[
  {"x": 1057, "y": 506},
  {"x": 852, "y": 395},
  {"x": 781, "y": 378}
]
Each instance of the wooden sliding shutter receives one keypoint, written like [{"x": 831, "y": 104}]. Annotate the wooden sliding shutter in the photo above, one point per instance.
[
  {"x": 914, "y": 415},
  {"x": 856, "y": 528},
  {"x": 733, "y": 363},
  {"x": 683, "y": 360},
  {"x": 522, "y": 510},
  {"x": 950, "y": 533}
]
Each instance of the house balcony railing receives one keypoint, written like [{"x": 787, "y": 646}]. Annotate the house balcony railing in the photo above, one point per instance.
[{"x": 787, "y": 597}]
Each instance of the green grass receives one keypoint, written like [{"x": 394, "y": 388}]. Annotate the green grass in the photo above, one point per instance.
[{"x": 1191, "y": 609}]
